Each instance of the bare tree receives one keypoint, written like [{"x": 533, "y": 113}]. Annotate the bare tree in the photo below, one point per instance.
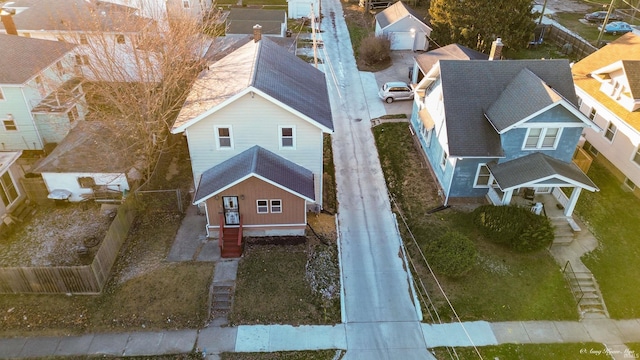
[{"x": 137, "y": 72}]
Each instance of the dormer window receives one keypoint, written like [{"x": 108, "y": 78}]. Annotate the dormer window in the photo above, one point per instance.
[{"x": 542, "y": 138}]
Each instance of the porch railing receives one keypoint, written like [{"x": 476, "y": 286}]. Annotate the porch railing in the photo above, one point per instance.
[
  {"x": 560, "y": 196},
  {"x": 569, "y": 274},
  {"x": 220, "y": 235}
]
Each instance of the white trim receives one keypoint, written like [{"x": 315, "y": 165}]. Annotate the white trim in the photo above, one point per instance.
[
  {"x": 564, "y": 103},
  {"x": 216, "y": 129},
  {"x": 266, "y": 206},
  {"x": 281, "y": 137},
  {"x": 259, "y": 178},
  {"x": 606, "y": 131},
  {"x": 15, "y": 187},
  {"x": 541, "y": 137},
  {"x": 567, "y": 182},
  {"x": 626, "y": 181},
  {"x": 15, "y": 125},
  {"x": 633, "y": 155},
  {"x": 271, "y": 206}
]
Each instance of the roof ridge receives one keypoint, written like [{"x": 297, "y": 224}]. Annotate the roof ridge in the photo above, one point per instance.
[{"x": 256, "y": 57}]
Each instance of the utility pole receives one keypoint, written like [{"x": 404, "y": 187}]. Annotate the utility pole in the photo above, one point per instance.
[
  {"x": 606, "y": 20},
  {"x": 313, "y": 37},
  {"x": 544, "y": 6}
]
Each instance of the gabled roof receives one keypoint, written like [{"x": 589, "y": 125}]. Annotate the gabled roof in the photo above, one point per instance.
[
  {"x": 74, "y": 15},
  {"x": 626, "y": 48},
  {"x": 450, "y": 52},
  {"x": 526, "y": 85},
  {"x": 538, "y": 168},
  {"x": 241, "y": 21},
  {"x": 23, "y": 58},
  {"x": 265, "y": 69},
  {"x": 471, "y": 87},
  {"x": 90, "y": 147},
  {"x": 262, "y": 164},
  {"x": 396, "y": 12},
  {"x": 631, "y": 70},
  {"x": 7, "y": 158}
]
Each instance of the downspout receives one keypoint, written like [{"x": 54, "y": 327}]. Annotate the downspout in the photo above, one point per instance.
[
  {"x": 446, "y": 196},
  {"x": 33, "y": 121}
]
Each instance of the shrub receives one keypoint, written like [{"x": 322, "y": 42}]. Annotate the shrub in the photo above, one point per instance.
[
  {"x": 451, "y": 254},
  {"x": 374, "y": 50},
  {"x": 514, "y": 226}
]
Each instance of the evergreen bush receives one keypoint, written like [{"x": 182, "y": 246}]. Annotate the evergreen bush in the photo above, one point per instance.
[{"x": 451, "y": 254}]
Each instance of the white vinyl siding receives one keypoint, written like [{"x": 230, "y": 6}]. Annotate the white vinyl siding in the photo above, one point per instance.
[
  {"x": 287, "y": 136},
  {"x": 255, "y": 121},
  {"x": 224, "y": 137}
]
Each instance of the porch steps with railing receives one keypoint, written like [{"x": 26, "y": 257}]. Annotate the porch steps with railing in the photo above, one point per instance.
[
  {"x": 563, "y": 231},
  {"x": 230, "y": 240},
  {"x": 587, "y": 294}
]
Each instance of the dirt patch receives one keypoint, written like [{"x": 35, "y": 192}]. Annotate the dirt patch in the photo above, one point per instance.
[{"x": 57, "y": 236}]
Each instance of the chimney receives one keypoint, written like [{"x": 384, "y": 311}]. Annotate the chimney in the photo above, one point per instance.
[
  {"x": 496, "y": 50},
  {"x": 6, "y": 15},
  {"x": 257, "y": 32}
]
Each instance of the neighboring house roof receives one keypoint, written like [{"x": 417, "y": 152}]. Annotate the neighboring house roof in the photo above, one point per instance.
[
  {"x": 471, "y": 87},
  {"x": 395, "y": 13},
  {"x": 262, "y": 164},
  {"x": 526, "y": 85},
  {"x": 23, "y": 58},
  {"x": 264, "y": 68},
  {"x": 241, "y": 21},
  {"x": 7, "y": 158},
  {"x": 74, "y": 15},
  {"x": 538, "y": 168},
  {"x": 450, "y": 52},
  {"x": 626, "y": 48},
  {"x": 90, "y": 147}
]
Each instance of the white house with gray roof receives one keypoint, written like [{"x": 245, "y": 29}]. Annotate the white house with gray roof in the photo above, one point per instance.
[
  {"x": 495, "y": 129},
  {"x": 40, "y": 97},
  {"x": 608, "y": 86},
  {"x": 404, "y": 27},
  {"x": 255, "y": 122}
]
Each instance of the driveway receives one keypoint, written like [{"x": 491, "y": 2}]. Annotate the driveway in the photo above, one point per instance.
[{"x": 401, "y": 61}]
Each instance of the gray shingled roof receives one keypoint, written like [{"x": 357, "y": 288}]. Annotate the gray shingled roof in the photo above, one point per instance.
[
  {"x": 470, "y": 87},
  {"x": 267, "y": 67},
  {"x": 241, "y": 21},
  {"x": 260, "y": 162},
  {"x": 536, "y": 166},
  {"x": 23, "y": 58},
  {"x": 74, "y": 15},
  {"x": 396, "y": 12},
  {"x": 450, "y": 52},
  {"x": 526, "y": 85},
  {"x": 632, "y": 70},
  {"x": 90, "y": 147}
]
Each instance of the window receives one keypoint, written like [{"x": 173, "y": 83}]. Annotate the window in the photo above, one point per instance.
[
  {"x": 483, "y": 177},
  {"x": 590, "y": 148},
  {"x": 287, "y": 137},
  {"x": 592, "y": 113},
  {"x": 73, "y": 114},
  {"x": 82, "y": 59},
  {"x": 10, "y": 125},
  {"x": 636, "y": 157},
  {"x": 83, "y": 39},
  {"x": 8, "y": 191},
  {"x": 628, "y": 183},
  {"x": 542, "y": 138},
  {"x": 186, "y": 4},
  {"x": 276, "y": 206},
  {"x": 579, "y": 102},
  {"x": 120, "y": 39},
  {"x": 86, "y": 182},
  {"x": 223, "y": 137},
  {"x": 263, "y": 206},
  {"x": 443, "y": 163},
  {"x": 610, "y": 132}
]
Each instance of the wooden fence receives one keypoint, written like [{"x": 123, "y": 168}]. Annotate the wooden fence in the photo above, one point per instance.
[
  {"x": 580, "y": 47},
  {"x": 85, "y": 279},
  {"x": 35, "y": 189}
]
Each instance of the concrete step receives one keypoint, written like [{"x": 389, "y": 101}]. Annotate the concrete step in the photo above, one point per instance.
[
  {"x": 595, "y": 302},
  {"x": 221, "y": 305}
]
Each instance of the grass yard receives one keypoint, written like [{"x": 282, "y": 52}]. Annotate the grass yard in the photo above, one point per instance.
[
  {"x": 528, "y": 352},
  {"x": 502, "y": 285},
  {"x": 612, "y": 213}
]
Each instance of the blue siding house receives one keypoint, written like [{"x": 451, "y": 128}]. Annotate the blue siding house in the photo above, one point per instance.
[{"x": 495, "y": 129}]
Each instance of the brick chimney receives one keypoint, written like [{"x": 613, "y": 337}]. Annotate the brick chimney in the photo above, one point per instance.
[
  {"x": 257, "y": 32},
  {"x": 496, "y": 50},
  {"x": 6, "y": 15}
]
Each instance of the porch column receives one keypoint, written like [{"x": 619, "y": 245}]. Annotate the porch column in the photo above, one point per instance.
[
  {"x": 506, "y": 197},
  {"x": 573, "y": 199}
]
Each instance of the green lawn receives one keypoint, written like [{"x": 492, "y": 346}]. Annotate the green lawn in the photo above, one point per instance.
[
  {"x": 503, "y": 285},
  {"x": 527, "y": 352},
  {"x": 613, "y": 215}
]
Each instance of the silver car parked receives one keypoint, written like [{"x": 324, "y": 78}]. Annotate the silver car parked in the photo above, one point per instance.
[{"x": 395, "y": 90}]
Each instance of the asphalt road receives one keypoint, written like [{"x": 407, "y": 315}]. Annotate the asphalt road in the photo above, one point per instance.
[{"x": 379, "y": 311}]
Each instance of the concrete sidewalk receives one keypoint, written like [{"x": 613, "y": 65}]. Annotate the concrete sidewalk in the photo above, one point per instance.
[{"x": 270, "y": 338}]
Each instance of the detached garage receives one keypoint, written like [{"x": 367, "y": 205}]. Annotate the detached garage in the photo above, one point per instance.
[{"x": 404, "y": 27}]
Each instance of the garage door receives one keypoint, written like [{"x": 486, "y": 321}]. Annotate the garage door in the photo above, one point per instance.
[{"x": 401, "y": 41}]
